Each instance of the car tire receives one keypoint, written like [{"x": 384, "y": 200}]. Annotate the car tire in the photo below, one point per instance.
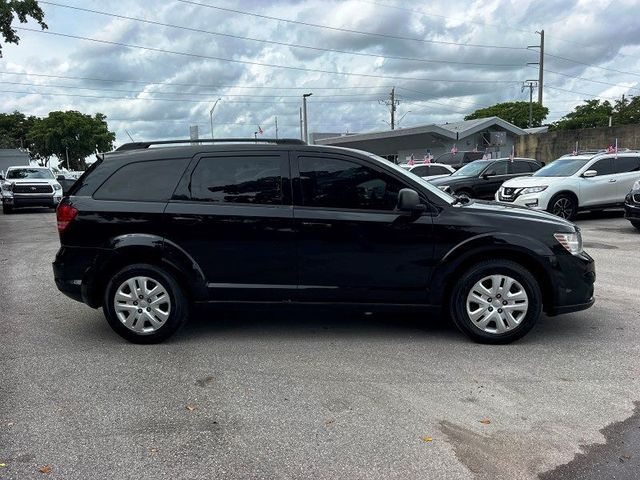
[
  {"x": 490, "y": 322},
  {"x": 563, "y": 206},
  {"x": 149, "y": 319},
  {"x": 6, "y": 209},
  {"x": 636, "y": 224}
]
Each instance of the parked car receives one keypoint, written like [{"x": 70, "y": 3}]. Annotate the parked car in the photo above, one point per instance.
[
  {"x": 280, "y": 222},
  {"x": 431, "y": 170},
  {"x": 29, "y": 187},
  {"x": 579, "y": 182},
  {"x": 482, "y": 178},
  {"x": 459, "y": 159},
  {"x": 632, "y": 205}
]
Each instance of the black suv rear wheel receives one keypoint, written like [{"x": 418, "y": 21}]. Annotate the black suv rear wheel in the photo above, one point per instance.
[
  {"x": 144, "y": 304},
  {"x": 496, "y": 301}
]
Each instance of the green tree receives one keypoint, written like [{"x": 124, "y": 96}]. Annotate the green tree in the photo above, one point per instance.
[
  {"x": 14, "y": 128},
  {"x": 69, "y": 133},
  {"x": 513, "y": 112},
  {"x": 593, "y": 113},
  {"x": 22, "y": 9}
]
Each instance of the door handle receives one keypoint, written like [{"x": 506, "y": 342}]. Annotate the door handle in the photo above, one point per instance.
[
  {"x": 317, "y": 224},
  {"x": 188, "y": 220},
  {"x": 612, "y": 180}
]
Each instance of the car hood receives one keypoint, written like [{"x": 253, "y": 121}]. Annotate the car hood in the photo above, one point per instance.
[
  {"x": 516, "y": 212},
  {"x": 533, "y": 181}
]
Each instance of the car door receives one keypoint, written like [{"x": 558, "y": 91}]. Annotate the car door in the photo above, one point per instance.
[
  {"x": 232, "y": 214},
  {"x": 601, "y": 189},
  {"x": 490, "y": 180},
  {"x": 354, "y": 246},
  {"x": 627, "y": 171}
]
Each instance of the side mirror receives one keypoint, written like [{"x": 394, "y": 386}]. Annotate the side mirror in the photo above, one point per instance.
[
  {"x": 409, "y": 201},
  {"x": 60, "y": 178},
  {"x": 486, "y": 175},
  {"x": 590, "y": 173}
]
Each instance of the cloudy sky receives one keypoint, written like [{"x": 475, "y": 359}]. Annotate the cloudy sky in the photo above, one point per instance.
[{"x": 156, "y": 67}]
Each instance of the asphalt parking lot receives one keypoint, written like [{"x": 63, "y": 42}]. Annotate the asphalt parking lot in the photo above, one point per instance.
[{"x": 312, "y": 394}]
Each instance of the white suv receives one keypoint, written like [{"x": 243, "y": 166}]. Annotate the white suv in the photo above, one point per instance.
[{"x": 575, "y": 182}]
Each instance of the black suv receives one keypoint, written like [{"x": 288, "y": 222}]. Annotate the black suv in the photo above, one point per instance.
[
  {"x": 148, "y": 232},
  {"x": 482, "y": 178}
]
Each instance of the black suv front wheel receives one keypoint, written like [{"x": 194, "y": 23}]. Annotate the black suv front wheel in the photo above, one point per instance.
[
  {"x": 144, "y": 304},
  {"x": 496, "y": 301}
]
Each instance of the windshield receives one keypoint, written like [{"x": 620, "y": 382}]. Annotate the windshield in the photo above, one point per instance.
[
  {"x": 20, "y": 173},
  {"x": 433, "y": 189},
  {"x": 472, "y": 169},
  {"x": 563, "y": 167}
]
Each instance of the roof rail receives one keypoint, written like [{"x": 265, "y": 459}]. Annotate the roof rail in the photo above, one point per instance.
[{"x": 278, "y": 141}]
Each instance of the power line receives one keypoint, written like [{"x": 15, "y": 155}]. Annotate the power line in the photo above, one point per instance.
[
  {"x": 149, "y": 82},
  {"x": 591, "y": 65},
  {"x": 207, "y": 94},
  {"x": 592, "y": 81},
  {"x": 184, "y": 100},
  {"x": 273, "y": 42},
  {"x": 347, "y": 30},
  {"x": 580, "y": 93},
  {"x": 261, "y": 64}
]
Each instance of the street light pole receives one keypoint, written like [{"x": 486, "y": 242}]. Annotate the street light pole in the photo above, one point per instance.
[
  {"x": 211, "y": 116},
  {"x": 304, "y": 115}
]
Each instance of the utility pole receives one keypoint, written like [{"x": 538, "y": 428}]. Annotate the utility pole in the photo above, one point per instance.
[
  {"x": 301, "y": 131},
  {"x": 392, "y": 103},
  {"x": 304, "y": 114},
  {"x": 540, "y": 64},
  {"x": 211, "y": 116},
  {"x": 530, "y": 84}
]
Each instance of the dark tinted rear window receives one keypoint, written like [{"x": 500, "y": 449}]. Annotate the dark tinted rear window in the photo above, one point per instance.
[
  {"x": 150, "y": 181},
  {"x": 242, "y": 179},
  {"x": 520, "y": 167},
  {"x": 627, "y": 164}
]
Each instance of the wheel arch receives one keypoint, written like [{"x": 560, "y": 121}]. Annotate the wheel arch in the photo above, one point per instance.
[
  {"x": 150, "y": 249},
  {"x": 570, "y": 193}
]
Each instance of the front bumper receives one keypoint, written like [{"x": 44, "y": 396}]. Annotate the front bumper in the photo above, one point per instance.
[
  {"x": 631, "y": 209},
  {"x": 574, "y": 276},
  {"x": 537, "y": 201},
  {"x": 30, "y": 200}
]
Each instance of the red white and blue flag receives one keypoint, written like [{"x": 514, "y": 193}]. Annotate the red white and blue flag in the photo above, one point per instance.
[
  {"x": 454, "y": 149},
  {"x": 411, "y": 160},
  {"x": 427, "y": 158}
]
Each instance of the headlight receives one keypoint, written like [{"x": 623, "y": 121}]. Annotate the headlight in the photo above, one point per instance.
[
  {"x": 57, "y": 186},
  {"x": 7, "y": 187},
  {"x": 636, "y": 186},
  {"x": 572, "y": 242},
  {"x": 533, "y": 190}
]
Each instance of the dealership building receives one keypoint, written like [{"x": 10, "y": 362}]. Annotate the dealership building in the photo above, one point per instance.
[{"x": 491, "y": 135}]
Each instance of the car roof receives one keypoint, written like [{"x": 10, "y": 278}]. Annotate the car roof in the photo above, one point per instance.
[{"x": 30, "y": 167}]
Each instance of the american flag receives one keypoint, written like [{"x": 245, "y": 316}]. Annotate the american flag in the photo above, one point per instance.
[
  {"x": 513, "y": 153},
  {"x": 427, "y": 158},
  {"x": 454, "y": 149},
  {"x": 260, "y": 131},
  {"x": 411, "y": 160}
]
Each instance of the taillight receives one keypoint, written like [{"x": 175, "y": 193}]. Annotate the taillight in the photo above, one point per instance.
[{"x": 65, "y": 215}]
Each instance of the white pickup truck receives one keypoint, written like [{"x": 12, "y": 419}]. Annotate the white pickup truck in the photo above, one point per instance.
[{"x": 29, "y": 187}]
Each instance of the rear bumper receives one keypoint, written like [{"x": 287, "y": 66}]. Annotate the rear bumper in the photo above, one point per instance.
[{"x": 73, "y": 270}]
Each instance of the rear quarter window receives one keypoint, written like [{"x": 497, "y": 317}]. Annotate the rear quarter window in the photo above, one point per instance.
[{"x": 148, "y": 181}]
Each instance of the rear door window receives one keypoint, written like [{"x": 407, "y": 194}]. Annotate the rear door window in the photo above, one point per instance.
[
  {"x": 626, "y": 164},
  {"x": 497, "y": 168},
  {"x": 149, "y": 181},
  {"x": 520, "y": 167},
  {"x": 421, "y": 171},
  {"x": 238, "y": 179},
  {"x": 438, "y": 170}
]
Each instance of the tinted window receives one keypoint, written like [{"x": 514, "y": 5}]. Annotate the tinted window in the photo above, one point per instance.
[
  {"x": 603, "y": 167},
  {"x": 152, "y": 181},
  {"x": 438, "y": 170},
  {"x": 520, "y": 167},
  {"x": 22, "y": 173},
  {"x": 243, "y": 179},
  {"x": 333, "y": 183},
  {"x": 627, "y": 164},
  {"x": 498, "y": 168},
  {"x": 422, "y": 170}
]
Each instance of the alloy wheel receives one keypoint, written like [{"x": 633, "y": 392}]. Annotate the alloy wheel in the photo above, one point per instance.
[{"x": 563, "y": 208}]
